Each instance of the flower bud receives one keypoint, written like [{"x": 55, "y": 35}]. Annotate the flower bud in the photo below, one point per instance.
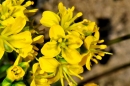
[{"x": 15, "y": 73}]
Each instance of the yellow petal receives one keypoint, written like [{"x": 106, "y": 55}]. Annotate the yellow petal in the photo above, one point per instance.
[
  {"x": 15, "y": 28},
  {"x": 38, "y": 39},
  {"x": 91, "y": 26},
  {"x": 7, "y": 21},
  {"x": 96, "y": 35},
  {"x": 76, "y": 68},
  {"x": 35, "y": 67},
  {"x": 88, "y": 40},
  {"x": 33, "y": 83},
  {"x": 24, "y": 52},
  {"x": 49, "y": 19},
  {"x": 72, "y": 56},
  {"x": 74, "y": 42},
  {"x": 83, "y": 61},
  {"x": 88, "y": 63},
  {"x": 56, "y": 32},
  {"x": 48, "y": 64},
  {"x": 21, "y": 40},
  {"x": 18, "y": 11},
  {"x": 61, "y": 8},
  {"x": 50, "y": 49},
  {"x": 2, "y": 50}
]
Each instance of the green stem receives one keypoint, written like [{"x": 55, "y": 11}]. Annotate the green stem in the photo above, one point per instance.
[{"x": 110, "y": 42}]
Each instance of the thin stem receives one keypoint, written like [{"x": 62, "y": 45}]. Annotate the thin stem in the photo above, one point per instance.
[{"x": 110, "y": 42}]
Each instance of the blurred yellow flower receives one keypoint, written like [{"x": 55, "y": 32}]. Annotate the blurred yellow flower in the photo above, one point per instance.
[
  {"x": 11, "y": 37},
  {"x": 10, "y": 9}
]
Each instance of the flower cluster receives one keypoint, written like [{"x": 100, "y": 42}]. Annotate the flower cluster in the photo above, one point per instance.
[{"x": 71, "y": 46}]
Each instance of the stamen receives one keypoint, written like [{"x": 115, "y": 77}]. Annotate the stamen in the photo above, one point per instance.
[
  {"x": 94, "y": 60},
  {"x": 76, "y": 75},
  {"x": 103, "y": 46},
  {"x": 100, "y": 41},
  {"x": 101, "y": 53},
  {"x": 72, "y": 79},
  {"x": 98, "y": 57},
  {"x": 66, "y": 77},
  {"x": 74, "y": 18}
]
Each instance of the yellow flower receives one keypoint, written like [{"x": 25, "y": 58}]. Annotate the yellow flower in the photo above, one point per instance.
[
  {"x": 10, "y": 9},
  {"x": 93, "y": 50},
  {"x": 11, "y": 37},
  {"x": 66, "y": 71},
  {"x": 59, "y": 69},
  {"x": 84, "y": 28},
  {"x": 67, "y": 15},
  {"x": 37, "y": 79},
  {"x": 66, "y": 45},
  {"x": 64, "y": 17},
  {"x": 15, "y": 73}
]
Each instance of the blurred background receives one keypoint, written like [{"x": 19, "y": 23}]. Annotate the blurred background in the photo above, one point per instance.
[{"x": 113, "y": 18}]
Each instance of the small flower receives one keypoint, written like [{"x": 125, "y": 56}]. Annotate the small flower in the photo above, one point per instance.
[
  {"x": 66, "y": 71},
  {"x": 11, "y": 9},
  {"x": 64, "y": 17},
  {"x": 66, "y": 45},
  {"x": 15, "y": 73},
  {"x": 93, "y": 50},
  {"x": 37, "y": 78},
  {"x": 11, "y": 37}
]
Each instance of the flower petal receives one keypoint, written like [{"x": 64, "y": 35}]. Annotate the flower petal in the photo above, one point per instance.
[
  {"x": 20, "y": 40},
  {"x": 88, "y": 40},
  {"x": 49, "y": 19},
  {"x": 96, "y": 35},
  {"x": 88, "y": 63},
  {"x": 74, "y": 42},
  {"x": 33, "y": 83},
  {"x": 48, "y": 64},
  {"x": 15, "y": 28},
  {"x": 72, "y": 56},
  {"x": 50, "y": 49},
  {"x": 56, "y": 32},
  {"x": 2, "y": 50},
  {"x": 38, "y": 39},
  {"x": 35, "y": 67}
]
